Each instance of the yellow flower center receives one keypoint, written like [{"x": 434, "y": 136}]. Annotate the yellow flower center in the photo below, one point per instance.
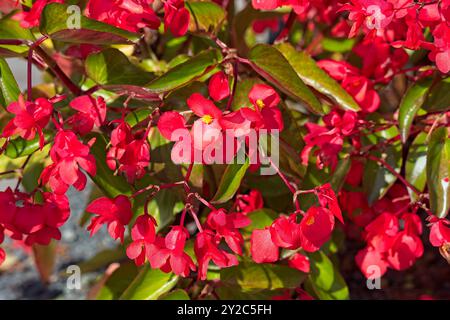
[
  {"x": 310, "y": 221},
  {"x": 260, "y": 103},
  {"x": 207, "y": 119}
]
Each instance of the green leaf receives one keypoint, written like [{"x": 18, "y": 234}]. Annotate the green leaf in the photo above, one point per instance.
[
  {"x": 102, "y": 259},
  {"x": 111, "y": 185},
  {"x": 186, "y": 72},
  {"x": 260, "y": 218},
  {"x": 438, "y": 172},
  {"x": 273, "y": 66},
  {"x": 11, "y": 29},
  {"x": 112, "y": 67},
  {"x": 20, "y": 147},
  {"x": 205, "y": 16},
  {"x": 56, "y": 20},
  {"x": 377, "y": 179},
  {"x": 178, "y": 294},
  {"x": 416, "y": 163},
  {"x": 325, "y": 279},
  {"x": 340, "y": 173},
  {"x": 438, "y": 96},
  {"x": 313, "y": 76},
  {"x": 9, "y": 90},
  {"x": 410, "y": 104},
  {"x": 249, "y": 276},
  {"x": 230, "y": 181},
  {"x": 119, "y": 280},
  {"x": 337, "y": 45},
  {"x": 149, "y": 284}
]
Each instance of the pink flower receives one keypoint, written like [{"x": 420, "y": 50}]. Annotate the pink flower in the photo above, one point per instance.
[
  {"x": 218, "y": 87},
  {"x": 143, "y": 236},
  {"x": 262, "y": 248},
  {"x": 116, "y": 213},
  {"x": 206, "y": 250},
  {"x": 176, "y": 17},
  {"x": 30, "y": 19},
  {"x": 131, "y": 15},
  {"x": 91, "y": 112},
  {"x": 169, "y": 254},
  {"x": 31, "y": 118},
  {"x": 439, "y": 231}
]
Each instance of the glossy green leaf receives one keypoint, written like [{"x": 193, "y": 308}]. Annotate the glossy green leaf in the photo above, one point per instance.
[
  {"x": 377, "y": 179},
  {"x": 260, "y": 218},
  {"x": 58, "y": 21},
  {"x": 186, "y": 72},
  {"x": 206, "y": 16},
  {"x": 112, "y": 67},
  {"x": 410, "y": 104},
  {"x": 439, "y": 96},
  {"x": 273, "y": 66},
  {"x": 178, "y": 294},
  {"x": 9, "y": 90},
  {"x": 20, "y": 147},
  {"x": 149, "y": 284},
  {"x": 325, "y": 279},
  {"x": 438, "y": 172},
  {"x": 250, "y": 276},
  {"x": 11, "y": 29},
  {"x": 416, "y": 164},
  {"x": 313, "y": 76},
  {"x": 230, "y": 181},
  {"x": 111, "y": 185}
]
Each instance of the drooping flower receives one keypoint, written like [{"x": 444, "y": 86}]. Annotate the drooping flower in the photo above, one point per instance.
[
  {"x": 247, "y": 203},
  {"x": 143, "y": 235},
  {"x": 176, "y": 17},
  {"x": 263, "y": 249},
  {"x": 300, "y": 262},
  {"x": 316, "y": 227},
  {"x": 439, "y": 231},
  {"x": 31, "y": 118},
  {"x": 69, "y": 156},
  {"x": 168, "y": 255},
  {"x": 218, "y": 87},
  {"x": 116, "y": 213},
  {"x": 91, "y": 112}
]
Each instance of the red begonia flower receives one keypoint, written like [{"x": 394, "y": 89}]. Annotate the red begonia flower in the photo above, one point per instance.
[
  {"x": 206, "y": 249},
  {"x": 169, "y": 122},
  {"x": 69, "y": 156},
  {"x": 31, "y": 118},
  {"x": 262, "y": 247},
  {"x": 286, "y": 233},
  {"x": 371, "y": 263},
  {"x": 439, "y": 231},
  {"x": 218, "y": 86},
  {"x": 247, "y": 203},
  {"x": 327, "y": 198},
  {"x": 176, "y": 17},
  {"x": 300, "y": 262},
  {"x": 404, "y": 251},
  {"x": 116, "y": 213},
  {"x": 316, "y": 227},
  {"x": 169, "y": 255},
  {"x": 2, "y": 256},
  {"x": 91, "y": 112},
  {"x": 30, "y": 19},
  {"x": 143, "y": 235},
  {"x": 130, "y": 15}
]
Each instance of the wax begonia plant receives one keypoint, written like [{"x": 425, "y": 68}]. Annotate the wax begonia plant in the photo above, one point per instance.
[{"x": 221, "y": 142}]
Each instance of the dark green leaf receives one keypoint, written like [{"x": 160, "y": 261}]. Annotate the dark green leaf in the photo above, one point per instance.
[
  {"x": 438, "y": 172},
  {"x": 112, "y": 67},
  {"x": 377, "y": 179},
  {"x": 313, "y": 76},
  {"x": 205, "y": 16},
  {"x": 149, "y": 284},
  {"x": 325, "y": 279},
  {"x": 186, "y": 72},
  {"x": 250, "y": 276},
  {"x": 178, "y": 294},
  {"x": 20, "y": 147},
  {"x": 9, "y": 90},
  {"x": 56, "y": 19},
  {"x": 410, "y": 104},
  {"x": 231, "y": 181},
  {"x": 416, "y": 163},
  {"x": 439, "y": 96},
  {"x": 273, "y": 66}
]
